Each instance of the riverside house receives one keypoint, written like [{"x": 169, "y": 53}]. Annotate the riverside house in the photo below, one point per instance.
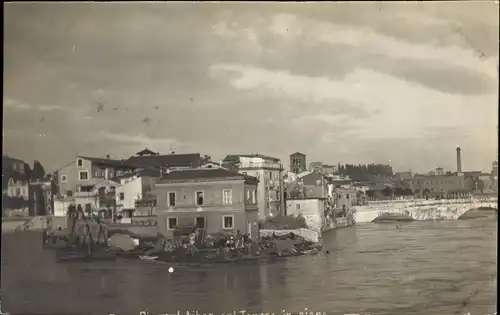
[{"x": 213, "y": 199}]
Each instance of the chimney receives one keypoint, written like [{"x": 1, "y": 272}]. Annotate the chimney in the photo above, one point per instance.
[{"x": 459, "y": 160}]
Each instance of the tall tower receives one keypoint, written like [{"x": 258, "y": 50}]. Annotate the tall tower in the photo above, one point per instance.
[{"x": 459, "y": 160}]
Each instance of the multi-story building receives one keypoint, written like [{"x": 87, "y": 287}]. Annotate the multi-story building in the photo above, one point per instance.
[
  {"x": 79, "y": 177},
  {"x": 316, "y": 167},
  {"x": 315, "y": 185},
  {"x": 16, "y": 165},
  {"x": 18, "y": 189},
  {"x": 214, "y": 199},
  {"x": 269, "y": 171},
  {"x": 298, "y": 162},
  {"x": 134, "y": 190},
  {"x": 329, "y": 169},
  {"x": 447, "y": 186}
]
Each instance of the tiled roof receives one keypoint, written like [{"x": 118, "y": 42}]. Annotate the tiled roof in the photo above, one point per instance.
[
  {"x": 236, "y": 157},
  {"x": 207, "y": 173},
  {"x": 172, "y": 160},
  {"x": 108, "y": 162}
]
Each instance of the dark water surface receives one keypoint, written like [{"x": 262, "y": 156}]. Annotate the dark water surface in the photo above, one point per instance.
[{"x": 443, "y": 267}]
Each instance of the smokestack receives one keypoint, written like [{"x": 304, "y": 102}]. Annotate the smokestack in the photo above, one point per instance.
[{"x": 459, "y": 160}]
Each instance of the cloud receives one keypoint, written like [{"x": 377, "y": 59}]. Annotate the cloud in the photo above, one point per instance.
[
  {"x": 348, "y": 81},
  {"x": 10, "y": 103}
]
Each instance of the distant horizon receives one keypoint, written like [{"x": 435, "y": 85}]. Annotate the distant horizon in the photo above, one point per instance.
[
  {"x": 284, "y": 162},
  {"x": 337, "y": 81}
]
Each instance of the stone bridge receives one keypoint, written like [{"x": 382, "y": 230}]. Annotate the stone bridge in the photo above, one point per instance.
[{"x": 423, "y": 209}]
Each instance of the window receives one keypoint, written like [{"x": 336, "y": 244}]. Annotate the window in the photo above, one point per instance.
[
  {"x": 171, "y": 199},
  {"x": 247, "y": 196},
  {"x": 88, "y": 208},
  {"x": 254, "y": 195},
  {"x": 64, "y": 178},
  {"x": 228, "y": 222},
  {"x": 227, "y": 197},
  {"x": 297, "y": 206},
  {"x": 79, "y": 162},
  {"x": 122, "y": 196},
  {"x": 69, "y": 193},
  {"x": 18, "y": 192},
  {"x": 199, "y": 198},
  {"x": 172, "y": 223},
  {"x": 87, "y": 188},
  {"x": 200, "y": 222},
  {"x": 347, "y": 196},
  {"x": 83, "y": 175}
]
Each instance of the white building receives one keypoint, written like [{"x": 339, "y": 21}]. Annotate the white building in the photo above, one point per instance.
[
  {"x": 314, "y": 211},
  {"x": 18, "y": 189},
  {"x": 269, "y": 171}
]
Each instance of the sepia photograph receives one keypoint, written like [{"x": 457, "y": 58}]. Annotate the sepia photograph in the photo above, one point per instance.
[{"x": 250, "y": 158}]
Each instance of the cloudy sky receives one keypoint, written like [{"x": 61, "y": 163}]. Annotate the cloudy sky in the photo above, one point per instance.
[{"x": 348, "y": 82}]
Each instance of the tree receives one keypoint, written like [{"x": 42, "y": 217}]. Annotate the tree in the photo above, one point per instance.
[
  {"x": 370, "y": 193},
  {"x": 38, "y": 172}
]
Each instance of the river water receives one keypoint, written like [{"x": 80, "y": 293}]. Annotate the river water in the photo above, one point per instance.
[{"x": 441, "y": 267}]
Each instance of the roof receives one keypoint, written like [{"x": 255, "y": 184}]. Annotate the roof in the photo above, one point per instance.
[
  {"x": 205, "y": 173},
  {"x": 236, "y": 157},
  {"x": 171, "y": 160},
  {"x": 146, "y": 151},
  {"x": 305, "y": 173},
  {"x": 297, "y": 153},
  {"x": 9, "y": 159},
  {"x": 139, "y": 173},
  {"x": 108, "y": 162}
]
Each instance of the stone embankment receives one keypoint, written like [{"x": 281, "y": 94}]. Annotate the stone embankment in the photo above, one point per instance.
[{"x": 422, "y": 209}]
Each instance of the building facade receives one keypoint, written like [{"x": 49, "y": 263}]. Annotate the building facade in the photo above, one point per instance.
[
  {"x": 447, "y": 186},
  {"x": 212, "y": 199},
  {"x": 269, "y": 172},
  {"x": 16, "y": 165},
  {"x": 17, "y": 189},
  {"x": 135, "y": 189},
  {"x": 298, "y": 162},
  {"x": 315, "y": 185},
  {"x": 79, "y": 177},
  {"x": 312, "y": 209}
]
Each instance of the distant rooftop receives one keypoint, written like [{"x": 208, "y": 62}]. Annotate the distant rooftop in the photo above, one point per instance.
[
  {"x": 235, "y": 158},
  {"x": 205, "y": 173},
  {"x": 108, "y": 162},
  {"x": 171, "y": 160},
  {"x": 146, "y": 151},
  {"x": 297, "y": 153}
]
